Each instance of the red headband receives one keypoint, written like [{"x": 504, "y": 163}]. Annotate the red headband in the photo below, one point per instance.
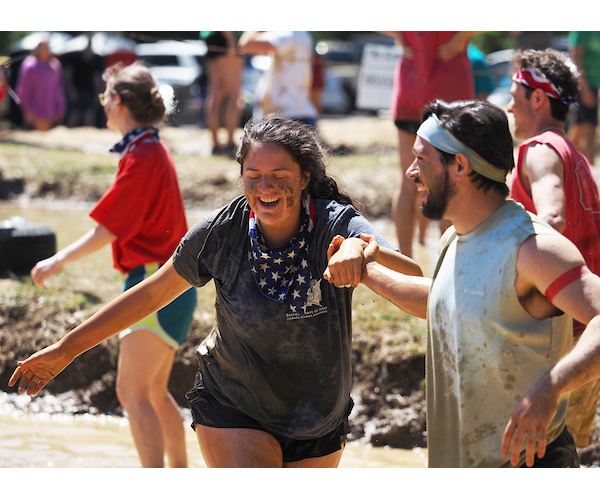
[{"x": 537, "y": 80}]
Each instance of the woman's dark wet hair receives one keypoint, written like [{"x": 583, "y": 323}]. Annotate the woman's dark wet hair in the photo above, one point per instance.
[
  {"x": 302, "y": 143},
  {"x": 483, "y": 127},
  {"x": 138, "y": 91}
]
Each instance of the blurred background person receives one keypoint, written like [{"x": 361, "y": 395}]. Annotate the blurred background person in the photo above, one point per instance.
[
  {"x": 83, "y": 81},
  {"x": 318, "y": 82},
  {"x": 40, "y": 87},
  {"x": 3, "y": 90},
  {"x": 535, "y": 40},
  {"x": 434, "y": 65},
  {"x": 286, "y": 87},
  {"x": 584, "y": 48},
  {"x": 225, "y": 71}
]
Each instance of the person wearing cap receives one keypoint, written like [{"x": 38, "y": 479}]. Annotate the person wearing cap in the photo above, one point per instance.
[
  {"x": 555, "y": 181},
  {"x": 499, "y": 305}
]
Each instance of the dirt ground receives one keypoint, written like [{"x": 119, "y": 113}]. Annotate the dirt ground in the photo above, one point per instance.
[{"x": 388, "y": 376}]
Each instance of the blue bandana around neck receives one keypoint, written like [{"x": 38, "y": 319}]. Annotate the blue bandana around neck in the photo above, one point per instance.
[
  {"x": 283, "y": 274},
  {"x": 131, "y": 136}
]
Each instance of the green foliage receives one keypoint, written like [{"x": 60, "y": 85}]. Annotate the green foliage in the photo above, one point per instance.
[
  {"x": 7, "y": 38},
  {"x": 491, "y": 41}
]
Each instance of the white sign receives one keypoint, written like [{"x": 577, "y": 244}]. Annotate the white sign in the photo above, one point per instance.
[{"x": 376, "y": 76}]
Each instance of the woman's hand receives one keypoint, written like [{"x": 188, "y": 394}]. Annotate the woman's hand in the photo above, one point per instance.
[
  {"x": 92, "y": 241},
  {"x": 347, "y": 258},
  {"x": 44, "y": 269},
  {"x": 457, "y": 44},
  {"x": 37, "y": 370}
]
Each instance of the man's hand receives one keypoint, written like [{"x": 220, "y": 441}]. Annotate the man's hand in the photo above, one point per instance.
[{"x": 530, "y": 421}]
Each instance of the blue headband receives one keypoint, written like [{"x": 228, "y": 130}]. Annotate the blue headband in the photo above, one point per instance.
[{"x": 431, "y": 131}]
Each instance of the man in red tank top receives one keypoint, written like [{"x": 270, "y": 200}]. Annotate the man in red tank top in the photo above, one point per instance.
[{"x": 554, "y": 180}]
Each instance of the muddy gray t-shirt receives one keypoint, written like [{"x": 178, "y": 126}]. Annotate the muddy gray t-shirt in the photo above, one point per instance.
[{"x": 291, "y": 372}]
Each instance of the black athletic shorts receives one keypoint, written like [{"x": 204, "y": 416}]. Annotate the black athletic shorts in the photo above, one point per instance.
[
  {"x": 585, "y": 115},
  {"x": 560, "y": 453},
  {"x": 216, "y": 45},
  {"x": 207, "y": 411},
  {"x": 407, "y": 126}
]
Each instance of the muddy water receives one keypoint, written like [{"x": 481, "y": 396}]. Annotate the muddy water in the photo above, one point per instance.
[
  {"x": 85, "y": 441},
  {"x": 42, "y": 440}
]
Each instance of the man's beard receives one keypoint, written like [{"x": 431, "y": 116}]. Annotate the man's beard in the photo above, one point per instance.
[{"x": 437, "y": 200}]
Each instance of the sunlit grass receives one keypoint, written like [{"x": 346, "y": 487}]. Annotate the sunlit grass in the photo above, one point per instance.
[
  {"x": 375, "y": 316},
  {"x": 18, "y": 161}
]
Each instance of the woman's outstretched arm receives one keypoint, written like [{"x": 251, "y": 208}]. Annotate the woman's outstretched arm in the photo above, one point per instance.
[{"x": 127, "y": 309}]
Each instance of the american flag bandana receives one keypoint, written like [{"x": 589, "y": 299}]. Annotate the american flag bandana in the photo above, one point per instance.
[
  {"x": 131, "y": 136},
  {"x": 283, "y": 274},
  {"x": 537, "y": 80}
]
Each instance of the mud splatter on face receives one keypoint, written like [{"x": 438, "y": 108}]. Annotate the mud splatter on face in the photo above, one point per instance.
[
  {"x": 289, "y": 192},
  {"x": 284, "y": 188}
]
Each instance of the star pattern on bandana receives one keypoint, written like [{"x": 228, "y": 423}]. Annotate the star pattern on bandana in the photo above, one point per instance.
[
  {"x": 132, "y": 136},
  {"x": 283, "y": 274}
]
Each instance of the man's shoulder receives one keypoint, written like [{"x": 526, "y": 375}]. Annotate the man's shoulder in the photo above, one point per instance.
[
  {"x": 547, "y": 253},
  {"x": 542, "y": 151}
]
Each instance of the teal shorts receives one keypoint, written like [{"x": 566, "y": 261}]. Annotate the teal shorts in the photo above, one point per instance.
[{"x": 172, "y": 322}]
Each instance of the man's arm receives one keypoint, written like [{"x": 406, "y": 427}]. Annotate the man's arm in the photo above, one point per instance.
[
  {"x": 255, "y": 43},
  {"x": 541, "y": 260},
  {"x": 456, "y": 45},
  {"x": 543, "y": 170},
  {"x": 355, "y": 261},
  {"x": 399, "y": 39},
  {"x": 409, "y": 293}
]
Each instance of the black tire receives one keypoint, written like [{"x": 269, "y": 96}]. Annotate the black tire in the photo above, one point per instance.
[{"x": 21, "y": 249}]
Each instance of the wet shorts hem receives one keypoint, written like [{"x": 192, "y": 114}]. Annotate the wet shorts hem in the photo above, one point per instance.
[{"x": 209, "y": 412}]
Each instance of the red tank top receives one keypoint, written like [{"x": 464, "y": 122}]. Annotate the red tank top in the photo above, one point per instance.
[{"x": 582, "y": 204}]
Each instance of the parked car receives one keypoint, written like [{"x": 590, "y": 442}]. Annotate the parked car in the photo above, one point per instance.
[
  {"x": 179, "y": 67},
  {"x": 499, "y": 63},
  {"x": 341, "y": 66}
]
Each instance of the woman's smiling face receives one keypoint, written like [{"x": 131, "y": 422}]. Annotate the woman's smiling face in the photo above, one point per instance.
[{"x": 273, "y": 185}]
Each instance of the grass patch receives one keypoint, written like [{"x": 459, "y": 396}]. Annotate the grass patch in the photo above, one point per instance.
[
  {"x": 24, "y": 161},
  {"x": 374, "y": 315}
]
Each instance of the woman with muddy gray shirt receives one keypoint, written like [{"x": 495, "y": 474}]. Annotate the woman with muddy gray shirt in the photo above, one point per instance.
[{"x": 274, "y": 379}]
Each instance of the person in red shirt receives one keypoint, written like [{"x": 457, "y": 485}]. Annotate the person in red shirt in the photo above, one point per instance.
[
  {"x": 142, "y": 216},
  {"x": 554, "y": 180},
  {"x": 434, "y": 65},
  {"x": 3, "y": 87}
]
